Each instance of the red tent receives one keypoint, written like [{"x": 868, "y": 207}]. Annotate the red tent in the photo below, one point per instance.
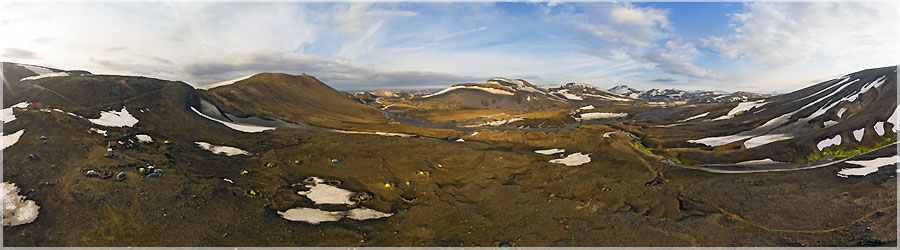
[
  {"x": 36, "y": 105},
  {"x": 111, "y": 143}
]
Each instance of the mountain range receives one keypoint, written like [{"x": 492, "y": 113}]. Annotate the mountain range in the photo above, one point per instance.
[{"x": 277, "y": 159}]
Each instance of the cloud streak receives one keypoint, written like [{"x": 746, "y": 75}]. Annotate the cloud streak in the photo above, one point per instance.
[
  {"x": 336, "y": 72},
  {"x": 762, "y": 47},
  {"x": 17, "y": 53}
]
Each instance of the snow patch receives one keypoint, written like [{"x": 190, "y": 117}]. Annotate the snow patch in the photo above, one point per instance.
[
  {"x": 316, "y": 216},
  {"x": 235, "y": 126},
  {"x": 489, "y": 90},
  {"x": 586, "y": 107},
  {"x": 366, "y": 214},
  {"x": 869, "y": 166},
  {"x": 310, "y": 215},
  {"x": 10, "y": 139},
  {"x": 694, "y": 117},
  {"x": 7, "y": 113},
  {"x": 721, "y": 140},
  {"x": 829, "y": 142},
  {"x": 575, "y": 159},
  {"x": 497, "y": 123},
  {"x": 765, "y": 139},
  {"x": 115, "y": 119},
  {"x": 54, "y": 74},
  {"x": 565, "y": 93},
  {"x": 840, "y": 112},
  {"x": 16, "y": 209},
  {"x": 550, "y": 151},
  {"x": 374, "y": 133},
  {"x": 144, "y": 138},
  {"x": 741, "y": 108},
  {"x": 322, "y": 193},
  {"x": 98, "y": 131},
  {"x": 215, "y": 149},
  {"x": 879, "y": 128},
  {"x": 858, "y": 134},
  {"x": 597, "y": 115},
  {"x": 744, "y": 106},
  {"x": 829, "y": 123}
]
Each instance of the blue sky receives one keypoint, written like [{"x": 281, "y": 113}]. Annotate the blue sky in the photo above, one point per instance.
[{"x": 761, "y": 47}]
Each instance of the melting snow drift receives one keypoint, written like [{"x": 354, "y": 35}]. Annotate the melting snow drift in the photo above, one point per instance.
[
  {"x": 829, "y": 142},
  {"x": 53, "y": 74},
  {"x": 765, "y": 139},
  {"x": 322, "y": 193},
  {"x": 235, "y": 126},
  {"x": 10, "y": 139},
  {"x": 144, "y": 138},
  {"x": 16, "y": 209},
  {"x": 575, "y": 159},
  {"x": 550, "y": 151},
  {"x": 858, "y": 134},
  {"x": 869, "y": 166},
  {"x": 98, "y": 131},
  {"x": 316, "y": 216},
  {"x": 115, "y": 119},
  {"x": 695, "y": 117},
  {"x": 593, "y": 116},
  {"x": 229, "y": 151},
  {"x": 489, "y": 90},
  {"x": 7, "y": 113}
]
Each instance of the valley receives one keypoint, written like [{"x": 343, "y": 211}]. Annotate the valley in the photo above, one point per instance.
[{"x": 275, "y": 159}]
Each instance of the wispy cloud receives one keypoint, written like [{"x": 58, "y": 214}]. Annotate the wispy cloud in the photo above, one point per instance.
[
  {"x": 768, "y": 46},
  {"x": 645, "y": 34},
  {"x": 342, "y": 73},
  {"x": 17, "y": 53}
]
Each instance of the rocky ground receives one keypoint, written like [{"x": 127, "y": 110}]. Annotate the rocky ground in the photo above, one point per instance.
[
  {"x": 434, "y": 176},
  {"x": 488, "y": 190}
]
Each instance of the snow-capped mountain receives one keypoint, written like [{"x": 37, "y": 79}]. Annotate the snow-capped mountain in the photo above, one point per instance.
[
  {"x": 681, "y": 95},
  {"x": 622, "y": 90},
  {"x": 496, "y": 92},
  {"x": 852, "y": 113},
  {"x": 581, "y": 91}
]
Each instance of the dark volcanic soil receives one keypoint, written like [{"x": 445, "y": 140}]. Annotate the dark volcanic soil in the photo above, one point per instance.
[
  {"x": 476, "y": 193},
  {"x": 487, "y": 190}
]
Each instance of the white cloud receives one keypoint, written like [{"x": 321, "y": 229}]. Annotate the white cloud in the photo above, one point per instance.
[
  {"x": 358, "y": 18},
  {"x": 786, "y": 46},
  {"x": 675, "y": 58},
  {"x": 636, "y": 32},
  {"x": 644, "y": 18},
  {"x": 856, "y": 35}
]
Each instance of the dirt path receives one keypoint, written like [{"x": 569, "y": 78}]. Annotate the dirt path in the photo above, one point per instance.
[
  {"x": 779, "y": 167},
  {"x": 57, "y": 94},
  {"x": 123, "y": 101}
]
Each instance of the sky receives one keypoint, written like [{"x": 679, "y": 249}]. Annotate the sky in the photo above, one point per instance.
[{"x": 761, "y": 47}]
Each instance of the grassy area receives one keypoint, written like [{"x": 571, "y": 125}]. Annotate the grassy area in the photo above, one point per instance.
[
  {"x": 676, "y": 160},
  {"x": 851, "y": 152},
  {"x": 641, "y": 147}
]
